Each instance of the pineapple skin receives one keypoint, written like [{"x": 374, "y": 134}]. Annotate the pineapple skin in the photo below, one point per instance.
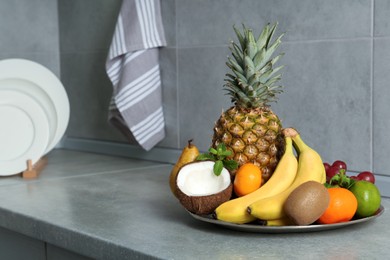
[
  {"x": 249, "y": 129},
  {"x": 253, "y": 135}
]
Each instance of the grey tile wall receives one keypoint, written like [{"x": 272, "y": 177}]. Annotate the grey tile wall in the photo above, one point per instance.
[
  {"x": 381, "y": 18},
  {"x": 332, "y": 75},
  {"x": 381, "y": 92},
  {"x": 203, "y": 22},
  {"x": 169, "y": 74},
  {"x": 29, "y": 30},
  {"x": 89, "y": 92},
  {"x": 336, "y": 74},
  {"x": 328, "y": 98},
  {"x": 201, "y": 97},
  {"x": 328, "y": 75},
  {"x": 86, "y": 29},
  {"x": 88, "y": 25}
]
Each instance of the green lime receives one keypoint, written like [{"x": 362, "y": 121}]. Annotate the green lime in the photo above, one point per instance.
[{"x": 368, "y": 197}]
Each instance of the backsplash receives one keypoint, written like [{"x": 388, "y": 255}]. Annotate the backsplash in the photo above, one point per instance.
[
  {"x": 334, "y": 92},
  {"x": 29, "y": 30},
  {"x": 336, "y": 75}
]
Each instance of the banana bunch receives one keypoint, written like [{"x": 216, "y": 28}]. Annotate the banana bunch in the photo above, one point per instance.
[
  {"x": 235, "y": 211},
  {"x": 310, "y": 168},
  {"x": 267, "y": 202}
]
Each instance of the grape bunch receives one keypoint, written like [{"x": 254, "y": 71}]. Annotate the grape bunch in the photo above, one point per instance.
[{"x": 339, "y": 167}]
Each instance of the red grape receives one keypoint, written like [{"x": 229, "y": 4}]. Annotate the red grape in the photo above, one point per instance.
[
  {"x": 340, "y": 164},
  {"x": 356, "y": 178},
  {"x": 332, "y": 172},
  {"x": 327, "y": 166},
  {"x": 366, "y": 176}
]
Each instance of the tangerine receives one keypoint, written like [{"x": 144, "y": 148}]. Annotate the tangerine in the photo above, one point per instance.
[
  {"x": 248, "y": 179},
  {"x": 342, "y": 206}
]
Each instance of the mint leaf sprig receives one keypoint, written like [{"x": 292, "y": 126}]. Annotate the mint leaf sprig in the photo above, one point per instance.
[
  {"x": 340, "y": 180},
  {"x": 219, "y": 156}
]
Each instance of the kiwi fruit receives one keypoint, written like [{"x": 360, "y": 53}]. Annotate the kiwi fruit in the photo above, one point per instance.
[{"x": 307, "y": 203}]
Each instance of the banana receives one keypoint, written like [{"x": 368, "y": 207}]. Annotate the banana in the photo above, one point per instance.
[
  {"x": 280, "y": 222},
  {"x": 189, "y": 154},
  {"x": 323, "y": 178},
  {"x": 310, "y": 167},
  {"x": 235, "y": 211}
]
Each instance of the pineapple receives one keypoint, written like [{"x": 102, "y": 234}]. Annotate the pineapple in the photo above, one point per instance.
[{"x": 250, "y": 129}]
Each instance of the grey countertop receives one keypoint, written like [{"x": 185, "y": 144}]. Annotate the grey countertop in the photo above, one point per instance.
[{"x": 116, "y": 208}]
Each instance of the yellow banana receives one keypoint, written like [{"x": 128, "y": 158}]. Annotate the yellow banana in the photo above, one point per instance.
[
  {"x": 323, "y": 180},
  {"x": 310, "y": 168},
  {"x": 235, "y": 211},
  {"x": 280, "y": 222},
  {"x": 189, "y": 154}
]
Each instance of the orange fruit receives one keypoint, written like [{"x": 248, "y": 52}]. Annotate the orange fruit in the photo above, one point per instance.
[
  {"x": 248, "y": 179},
  {"x": 342, "y": 206},
  {"x": 368, "y": 197}
]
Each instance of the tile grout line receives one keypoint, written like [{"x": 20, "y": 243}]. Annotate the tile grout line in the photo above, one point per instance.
[
  {"x": 372, "y": 84},
  {"x": 177, "y": 81},
  {"x": 369, "y": 37}
]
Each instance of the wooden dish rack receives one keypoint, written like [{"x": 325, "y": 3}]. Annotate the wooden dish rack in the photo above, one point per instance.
[{"x": 33, "y": 171}]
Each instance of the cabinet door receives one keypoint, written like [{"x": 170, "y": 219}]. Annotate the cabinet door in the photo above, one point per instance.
[
  {"x": 57, "y": 253},
  {"x": 15, "y": 246}
]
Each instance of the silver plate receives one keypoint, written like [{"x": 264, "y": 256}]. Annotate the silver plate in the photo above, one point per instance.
[{"x": 284, "y": 229}]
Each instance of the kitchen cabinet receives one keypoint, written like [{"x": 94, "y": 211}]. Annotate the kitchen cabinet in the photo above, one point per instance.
[
  {"x": 58, "y": 253},
  {"x": 14, "y": 246},
  {"x": 17, "y": 246}
]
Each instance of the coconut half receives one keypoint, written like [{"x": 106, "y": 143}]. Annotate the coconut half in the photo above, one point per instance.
[{"x": 199, "y": 190}]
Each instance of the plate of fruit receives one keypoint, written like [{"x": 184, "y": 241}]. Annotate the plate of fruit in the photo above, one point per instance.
[
  {"x": 346, "y": 198},
  {"x": 258, "y": 176},
  {"x": 282, "y": 226},
  {"x": 302, "y": 195}
]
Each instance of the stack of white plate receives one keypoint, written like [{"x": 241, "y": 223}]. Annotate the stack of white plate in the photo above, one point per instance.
[{"x": 34, "y": 113}]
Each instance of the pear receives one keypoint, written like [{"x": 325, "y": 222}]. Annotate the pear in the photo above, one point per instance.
[{"x": 189, "y": 154}]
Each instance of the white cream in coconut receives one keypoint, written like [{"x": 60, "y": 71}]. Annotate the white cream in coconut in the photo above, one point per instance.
[{"x": 198, "y": 179}]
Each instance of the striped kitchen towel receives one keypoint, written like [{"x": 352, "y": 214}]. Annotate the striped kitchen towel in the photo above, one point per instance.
[{"x": 133, "y": 68}]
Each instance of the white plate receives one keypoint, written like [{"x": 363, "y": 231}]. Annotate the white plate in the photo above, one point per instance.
[
  {"x": 40, "y": 83},
  {"x": 24, "y": 132},
  {"x": 256, "y": 228},
  {"x": 40, "y": 96}
]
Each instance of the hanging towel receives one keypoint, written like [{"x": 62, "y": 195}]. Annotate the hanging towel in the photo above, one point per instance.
[{"x": 133, "y": 68}]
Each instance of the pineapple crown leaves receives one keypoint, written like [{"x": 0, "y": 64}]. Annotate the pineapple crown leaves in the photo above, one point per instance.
[
  {"x": 252, "y": 83},
  {"x": 219, "y": 155}
]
